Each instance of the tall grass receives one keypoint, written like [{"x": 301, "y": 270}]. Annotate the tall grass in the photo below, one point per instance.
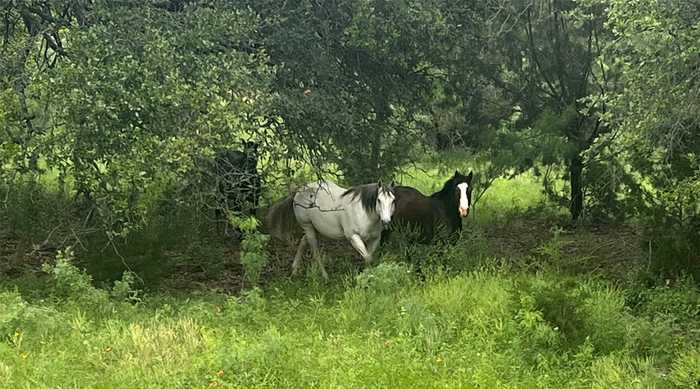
[{"x": 485, "y": 328}]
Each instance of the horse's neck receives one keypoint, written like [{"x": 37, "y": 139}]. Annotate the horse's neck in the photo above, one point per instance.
[
  {"x": 357, "y": 208},
  {"x": 443, "y": 199},
  {"x": 447, "y": 207},
  {"x": 360, "y": 220}
]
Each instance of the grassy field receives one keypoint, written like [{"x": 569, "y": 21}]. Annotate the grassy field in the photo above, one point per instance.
[{"x": 516, "y": 303}]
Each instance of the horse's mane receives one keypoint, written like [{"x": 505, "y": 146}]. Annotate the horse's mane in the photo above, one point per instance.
[
  {"x": 446, "y": 188},
  {"x": 368, "y": 194}
]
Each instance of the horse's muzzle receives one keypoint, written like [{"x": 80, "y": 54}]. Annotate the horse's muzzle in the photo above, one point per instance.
[
  {"x": 463, "y": 212},
  {"x": 385, "y": 224}
]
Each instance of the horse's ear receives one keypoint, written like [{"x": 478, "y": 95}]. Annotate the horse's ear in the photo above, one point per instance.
[
  {"x": 250, "y": 145},
  {"x": 393, "y": 184},
  {"x": 379, "y": 183},
  {"x": 470, "y": 175},
  {"x": 457, "y": 174}
]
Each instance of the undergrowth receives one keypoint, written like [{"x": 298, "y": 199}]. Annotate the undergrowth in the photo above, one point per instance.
[{"x": 493, "y": 326}]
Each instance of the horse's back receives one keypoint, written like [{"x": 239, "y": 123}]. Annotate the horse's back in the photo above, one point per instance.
[
  {"x": 321, "y": 194},
  {"x": 415, "y": 209},
  {"x": 405, "y": 195},
  {"x": 334, "y": 212},
  {"x": 320, "y": 204},
  {"x": 411, "y": 203}
]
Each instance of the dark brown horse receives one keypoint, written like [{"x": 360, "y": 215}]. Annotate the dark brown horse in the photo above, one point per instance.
[{"x": 445, "y": 207}]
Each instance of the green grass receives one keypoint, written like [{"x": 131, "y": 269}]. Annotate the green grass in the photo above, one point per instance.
[
  {"x": 485, "y": 328},
  {"x": 478, "y": 320}
]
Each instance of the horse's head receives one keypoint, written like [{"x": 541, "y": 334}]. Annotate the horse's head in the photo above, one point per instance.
[
  {"x": 385, "y": 202},
  {"x": 463, "y": 192},
  {"x": 250, "y": 151}
]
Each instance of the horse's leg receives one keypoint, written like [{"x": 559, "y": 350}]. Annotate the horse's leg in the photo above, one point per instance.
[
  {"x": 372, "y": 246},
  {"x": 303, "y": 243},
  {"x": 359, "y": 245},
  {"x": 315, "y": 250},
  {"x": 384, "y": 237},
  {"x": 428, "y": 232}
]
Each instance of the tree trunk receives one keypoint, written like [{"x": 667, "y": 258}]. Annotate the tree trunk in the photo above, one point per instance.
[{"x": 575, "y": 177}]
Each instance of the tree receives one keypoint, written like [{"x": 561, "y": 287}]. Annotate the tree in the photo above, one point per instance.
[
  {"x": 124, "y": 117},
  {"x": 656, "y": 52},
  {"x": 351, "y": 75},
  {"x": 552, "y": 63},
  {"x": 32, "y": 42}
]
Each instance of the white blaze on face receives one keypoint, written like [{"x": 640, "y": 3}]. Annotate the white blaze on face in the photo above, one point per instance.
[
  {"x": 463, "y": 199},
  {"x": 385, "y": 203}
]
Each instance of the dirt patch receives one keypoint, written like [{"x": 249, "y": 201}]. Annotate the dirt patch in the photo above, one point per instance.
[
  {"x": 19, "y": 256},
  {"x": 587, "y": 248}
]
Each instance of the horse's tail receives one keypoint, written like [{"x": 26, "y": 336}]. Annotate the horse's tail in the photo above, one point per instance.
[{"x": 280, "y": 219}]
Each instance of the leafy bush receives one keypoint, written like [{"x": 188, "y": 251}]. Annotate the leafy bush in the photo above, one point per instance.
[
  {"x": 679, "y": 303},
  {"x": 686, "y": 369},
  {"x": 385, "y": 278},
  {"x": 254, "y": 257},
  {"x": 31, "y": 209},
  {"x": 71, "y": 282},
  {"x": 249, "y": 307},
  {"x": 125, "y": 289},
  {"x": 13, "y": 308},
  {"x": 672, "y": 225}
]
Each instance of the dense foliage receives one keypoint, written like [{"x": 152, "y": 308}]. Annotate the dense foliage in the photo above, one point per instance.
[
  {"x": 655, "y": 114},
  {"x": 582, "y": 114}
]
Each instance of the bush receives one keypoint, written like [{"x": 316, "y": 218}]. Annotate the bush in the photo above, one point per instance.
[
  {"x": 12, "y": 309},
  {"x": 672, "y": 226},
  {"x": 385, "y": 278},
  {"x": 679, "y": 303},
  {"x": 32, "y": 210},
  {"x": 23, "y": 323},
  {"x": 686, "y": 369},
  {"x": 72, "y": 283},
  {"x": 254, "y": 257},
  {"x": 125, "y": 290}
]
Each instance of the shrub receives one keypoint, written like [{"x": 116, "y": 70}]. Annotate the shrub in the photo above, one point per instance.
[
  {"x": 22, "y": 323},
  {"x": 686, "y": 369},
  {"x": 253, "y": 247},
  {"x": 124, "y": 289},
  {"x": 672, "y": 228},
  {"x": 71, "y": 282},
  {"x": 12, "y": 309},
  {"x": 385, "y": 278},
  {"x": 249, "y": 308},
  {"x": 679, "y": 303}
]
